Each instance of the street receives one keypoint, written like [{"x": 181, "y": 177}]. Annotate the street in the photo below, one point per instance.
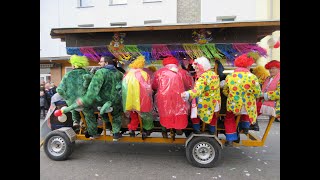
[{"x": 120, "y": 160}]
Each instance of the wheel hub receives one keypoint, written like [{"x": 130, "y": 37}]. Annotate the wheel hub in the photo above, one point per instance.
[
  {"x": 203, "y": 152},
  {"x": 56, "y": 145}
]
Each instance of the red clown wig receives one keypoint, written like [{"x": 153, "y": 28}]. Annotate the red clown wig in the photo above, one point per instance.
[
  {"x": 243, "y": 61},
  {"x": 170, "y": 60},
  {"x": 273, "y": 63}
]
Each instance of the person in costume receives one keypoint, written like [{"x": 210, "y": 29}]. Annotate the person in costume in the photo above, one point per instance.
[
  {"x": 271, "y": 91},
  {"x": 71, "y": 86},
  {"x": 242, "y": 89},
  {"x": 137, "y": 97},
  {"x": 207, "y": 91},
  {"x": 262, "y": 74},
  {"x": 104, "y": 91},
  {"x": 169, "y": 82}
]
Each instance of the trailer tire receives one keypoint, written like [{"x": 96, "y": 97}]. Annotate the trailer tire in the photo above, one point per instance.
[
  {"x": 203, "y": 152},
  {"x": 57, "y": 146}
]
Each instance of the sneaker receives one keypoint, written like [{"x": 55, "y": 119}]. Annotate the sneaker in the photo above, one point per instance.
[
  {"x": 95, "y": 136},
  {"x": 228, "y": 144},
  {"x": 132, "y": 133},
  {"x": 196, "y": 132},
  {"x": 76, "y": 125},
  {"x": 164, "y": 134},
  {"x": 245, "y": 131},
  {"x": 144, "y": 135},
  {"x": 179, "y": 132},
  {"x": 116, "y": 136}
]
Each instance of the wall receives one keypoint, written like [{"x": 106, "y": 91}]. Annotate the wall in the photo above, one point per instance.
[
  {"x": 49, "y": 19},
  {"x": 244, "y": 9},
  {"x": 189, "y": 11},
  {"x": 66, "y": 13}
]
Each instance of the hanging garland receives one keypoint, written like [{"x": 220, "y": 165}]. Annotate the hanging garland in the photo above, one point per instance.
[
  {"x": 73, "y": 51},
  {"x": 90, "y": 53},
  {"x": 102, "y": 51},
  {"x": 180, "y": 51},
  {"x": 160, "y": 50},
  {"x": 132, "y": 50},
  {"x": 177, "y": 51},
  {"x": 145, "y": 50},
  {"x": 193, "y": 50},
  {"x": 245, "y": 48},
  {"x": 228, "y": 50}
]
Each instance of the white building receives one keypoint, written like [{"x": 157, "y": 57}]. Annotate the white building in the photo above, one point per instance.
[{"x": 106, "y": 13}]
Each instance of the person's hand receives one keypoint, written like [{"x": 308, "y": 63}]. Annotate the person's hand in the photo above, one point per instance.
[
  {"x": 185, "y": 95},
  {"x": 79, "y": 102}
]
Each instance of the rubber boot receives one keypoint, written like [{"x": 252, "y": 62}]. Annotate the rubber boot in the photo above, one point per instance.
[{"x": 196, "y": 128}]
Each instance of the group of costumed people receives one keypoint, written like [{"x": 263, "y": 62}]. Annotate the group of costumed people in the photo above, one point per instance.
[{"x": 173, "y": 93}]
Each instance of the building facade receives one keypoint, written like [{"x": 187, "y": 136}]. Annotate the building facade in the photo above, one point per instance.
[{"x": 126, "y": 13}]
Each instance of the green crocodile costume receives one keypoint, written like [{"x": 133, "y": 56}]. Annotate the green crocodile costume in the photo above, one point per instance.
[
  {"x": 72, "y": 86},
  {"x": 104, "y": 90}
]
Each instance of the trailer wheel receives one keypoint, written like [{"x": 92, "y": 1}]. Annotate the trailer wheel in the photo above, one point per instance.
[
  {"x": 203, "y": 152},
  {"x": 58, "y": 146}
]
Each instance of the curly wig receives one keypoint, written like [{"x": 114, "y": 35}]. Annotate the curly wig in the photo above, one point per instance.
[
  {"x": 138, "y": 62},
  {"x": 79, "y": 61}
]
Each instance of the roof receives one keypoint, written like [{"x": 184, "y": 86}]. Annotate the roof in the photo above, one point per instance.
[{"x": 61, "y": 32}]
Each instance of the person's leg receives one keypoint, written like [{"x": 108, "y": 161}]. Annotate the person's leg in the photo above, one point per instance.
[
  {"x": 44, "y": 112},
  {"x": 230, "y": 127},
  {"x": 164, "y": 132},
  {"x": 116, "y": 122},
  {"x": 91, "y": 121},
  {"x": 196, "y": 125},
  {"x": 76, "y": 118},
  {"x": 212, "y": 125},
  {"x": 134, "y": 121},
  {"x": 147, "y": 122},
  {"x": 244, "y": 123}
]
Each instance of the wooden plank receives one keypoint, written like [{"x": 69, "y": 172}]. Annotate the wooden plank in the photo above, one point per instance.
[{"x": 62, "y": 31}]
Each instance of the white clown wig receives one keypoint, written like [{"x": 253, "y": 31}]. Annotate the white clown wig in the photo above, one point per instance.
[{"x": 204, "y": 62}]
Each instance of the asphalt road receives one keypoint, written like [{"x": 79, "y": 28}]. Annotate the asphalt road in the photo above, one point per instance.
[{"x": 119, "y": 160}]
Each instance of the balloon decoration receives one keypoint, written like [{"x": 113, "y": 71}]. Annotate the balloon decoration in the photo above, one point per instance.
[
  {"x": 277, "y": 45},
  {"x": 62, "y": 118},
  {"x": 202, "y": 36},
  {"x": 63, "y": 108},
  {"x": 57, "y": 113}
]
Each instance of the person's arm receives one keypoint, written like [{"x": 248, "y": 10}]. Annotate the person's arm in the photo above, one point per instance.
[
  {"x": 274, "y": 95},
  {"x": 256, "y": 86},
  {"x": 225, "y": 89},
  {"x": 188, "y": 80},
  {"x": 199, "y": 87},
  {"x": 155, "y": 82},
  {"x": 93, "y": 89},
  {"x": 62, "y": 88}
]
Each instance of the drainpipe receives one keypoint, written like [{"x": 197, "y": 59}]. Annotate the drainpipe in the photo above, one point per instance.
[{"x": 271, "y": 10}]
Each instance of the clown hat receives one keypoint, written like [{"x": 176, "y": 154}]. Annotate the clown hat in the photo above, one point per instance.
[
  {"x": 243, "y": 61},
  {"x": 273, "y": 63}
]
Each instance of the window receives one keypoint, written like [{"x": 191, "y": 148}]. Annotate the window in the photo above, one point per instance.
[
  {"x": 225, "y": 18},
  {"x": 84, "y": 3},
  {"x": 118, "y": 24},
  {"x": 118, "y": 2},
  {"x": 153, "y": 21},
  {"x": 151, "y": 1},
  {"x": 86, "y": 25}
]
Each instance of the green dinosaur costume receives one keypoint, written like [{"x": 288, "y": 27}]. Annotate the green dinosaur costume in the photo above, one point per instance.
[
  {"x": 104, "y": 90},
  {"x": 72, "y": 85}
]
